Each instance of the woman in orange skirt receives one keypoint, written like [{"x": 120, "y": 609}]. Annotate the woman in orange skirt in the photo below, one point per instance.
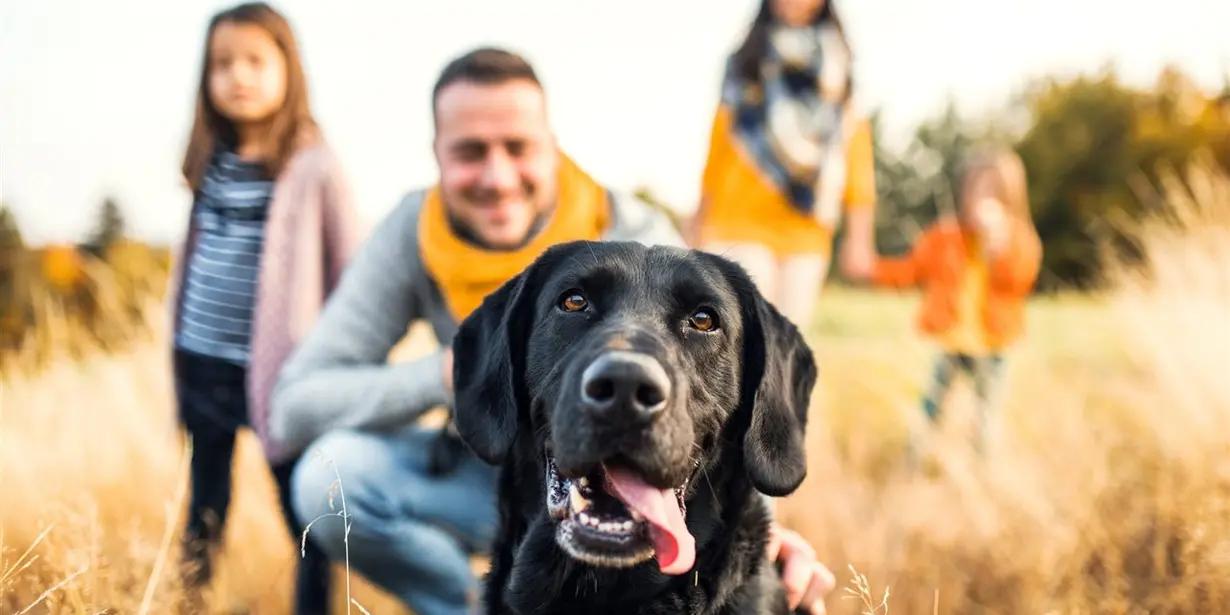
[{"x": 788, "y": 157}]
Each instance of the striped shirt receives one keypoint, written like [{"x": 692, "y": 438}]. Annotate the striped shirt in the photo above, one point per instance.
[{"x": 220, "y": 280}]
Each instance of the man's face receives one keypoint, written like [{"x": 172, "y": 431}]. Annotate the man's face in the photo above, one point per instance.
[{"x": 497, "y": 158}]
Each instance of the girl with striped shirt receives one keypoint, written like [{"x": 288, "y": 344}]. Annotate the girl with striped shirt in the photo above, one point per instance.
[{"x": 271, "y": 227}]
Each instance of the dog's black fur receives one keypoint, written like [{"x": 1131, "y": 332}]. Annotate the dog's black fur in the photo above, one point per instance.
[{"x": 733, "y": 425}]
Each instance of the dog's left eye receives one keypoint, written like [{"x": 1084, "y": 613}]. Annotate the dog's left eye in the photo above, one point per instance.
[
  {"x": 703, "y": 320},
  {"x": 573, "y": 301}
]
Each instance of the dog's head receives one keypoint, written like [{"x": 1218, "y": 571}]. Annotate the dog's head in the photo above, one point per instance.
[{"x": 627, "y": 368}]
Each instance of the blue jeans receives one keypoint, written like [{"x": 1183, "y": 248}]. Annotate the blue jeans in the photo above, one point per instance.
[{"x": 411, "y": 532}]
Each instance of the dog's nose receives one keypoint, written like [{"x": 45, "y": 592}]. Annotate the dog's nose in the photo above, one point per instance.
[{"x": 625, "y": 385}]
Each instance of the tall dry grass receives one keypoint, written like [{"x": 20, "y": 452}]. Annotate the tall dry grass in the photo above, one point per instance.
[
  {"x": 91, "y": 462},
  {"x": 1105, "y": 488}
]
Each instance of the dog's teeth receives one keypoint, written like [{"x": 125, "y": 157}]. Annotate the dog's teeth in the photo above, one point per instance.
[
  {"x": 607, "y": 527},
  {"x": 626, "y": 526},
  {"x": 578, "y": 501}
]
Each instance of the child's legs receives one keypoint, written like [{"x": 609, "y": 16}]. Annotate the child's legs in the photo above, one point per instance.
[
  {"x": 212, "y": 406},
  {"x": 988, "y": 375},
  {"x": 946, "y": 367},
  {"x": 758, "y": 260},
  {"x": 212, "y": 452},
  {"x": 800, "y": 277}
]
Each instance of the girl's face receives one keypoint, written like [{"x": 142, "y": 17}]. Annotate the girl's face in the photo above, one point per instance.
[
  {"x": 982, "y": 206},
  {"x": 247, "y": 72},
  {"x": 796, "y": 13}
]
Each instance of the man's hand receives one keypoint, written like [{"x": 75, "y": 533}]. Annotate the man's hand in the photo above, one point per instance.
[
  {"x": 807, "y": 581},
  {"x": 447, "y": 449},
  {"x": 446, "y": 366}
]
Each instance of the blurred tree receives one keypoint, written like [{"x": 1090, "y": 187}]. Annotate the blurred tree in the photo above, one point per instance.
[
  {"x": 14, "y": 308},
  {"x": 109, "y": 229},
  {"x": 10, "y": 233},
  {"x": 1094, "y": 150},
  {"x": 647, "y": 196}
]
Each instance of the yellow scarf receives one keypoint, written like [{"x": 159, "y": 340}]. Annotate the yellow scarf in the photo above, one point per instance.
[{"x": 466, "y": 273}]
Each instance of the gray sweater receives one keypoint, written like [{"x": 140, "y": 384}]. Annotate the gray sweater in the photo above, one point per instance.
[{"x": 340, "y": 378}]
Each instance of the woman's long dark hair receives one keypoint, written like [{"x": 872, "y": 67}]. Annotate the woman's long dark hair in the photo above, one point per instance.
[
  {"x": 291, "y": 127},
  {"x": 748, "y": 56}
]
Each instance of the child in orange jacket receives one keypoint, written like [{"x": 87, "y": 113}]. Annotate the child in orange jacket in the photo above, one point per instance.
[{"x": 975, "y": 272}]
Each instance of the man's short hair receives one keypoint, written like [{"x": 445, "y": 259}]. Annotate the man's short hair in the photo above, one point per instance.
[{"x": 486, "y": 66}]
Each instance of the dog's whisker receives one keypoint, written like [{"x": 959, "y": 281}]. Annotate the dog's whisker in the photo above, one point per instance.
[
  {"x": 592, "y": 254},
  {"x": 712, "y": 492}
]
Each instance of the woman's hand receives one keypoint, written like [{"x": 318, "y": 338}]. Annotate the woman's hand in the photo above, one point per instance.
[
  {"x": 806, "y": 580},
  {"x": 858, "y": 250}
]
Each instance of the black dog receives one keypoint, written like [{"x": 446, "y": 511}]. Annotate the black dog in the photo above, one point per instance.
[{"x": 638, "y": 399}]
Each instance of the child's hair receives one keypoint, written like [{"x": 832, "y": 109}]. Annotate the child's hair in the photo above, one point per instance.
[
  {"x": 290, "y": 127},
  {"x": 1008, "y": 171}
]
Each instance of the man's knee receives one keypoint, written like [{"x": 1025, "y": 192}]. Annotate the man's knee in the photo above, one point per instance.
[{"x": 331, "y": 479}]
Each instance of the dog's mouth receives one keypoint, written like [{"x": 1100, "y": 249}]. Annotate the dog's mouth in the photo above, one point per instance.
[{"x": 613, "y": 518}]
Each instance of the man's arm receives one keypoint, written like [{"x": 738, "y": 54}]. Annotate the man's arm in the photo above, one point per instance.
[{"x": 339, "y": 376}]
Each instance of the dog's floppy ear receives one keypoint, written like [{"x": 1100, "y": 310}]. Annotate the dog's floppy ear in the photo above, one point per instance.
[
  {"x": 488, "y": 369},
  {"x": 779, "y": 374}
]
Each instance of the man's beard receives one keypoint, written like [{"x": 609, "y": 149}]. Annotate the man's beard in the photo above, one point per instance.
[{"x": 468, "y": 235}]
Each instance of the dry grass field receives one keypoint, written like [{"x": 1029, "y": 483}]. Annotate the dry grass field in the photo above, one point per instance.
[{"x": 1105, "y": 487}]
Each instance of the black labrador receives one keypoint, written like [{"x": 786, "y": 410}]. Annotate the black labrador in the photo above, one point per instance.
[{"x": 640, "y": 401}]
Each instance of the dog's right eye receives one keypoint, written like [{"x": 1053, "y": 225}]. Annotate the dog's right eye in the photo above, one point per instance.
[
  {"x": 573, "y": 301},
  {"x": 703, "y": 320}
]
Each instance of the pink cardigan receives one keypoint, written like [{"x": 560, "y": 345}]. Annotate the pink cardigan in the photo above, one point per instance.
[{"x": 310, "y": 233}]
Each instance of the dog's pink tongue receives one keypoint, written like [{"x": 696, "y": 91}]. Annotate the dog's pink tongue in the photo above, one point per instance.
[{"x": 672, "y": 543}]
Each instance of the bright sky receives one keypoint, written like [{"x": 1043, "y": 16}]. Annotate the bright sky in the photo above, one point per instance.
[{"x": 96, "y": 97}]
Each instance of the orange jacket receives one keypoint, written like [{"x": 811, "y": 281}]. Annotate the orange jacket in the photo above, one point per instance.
[{"x": 937, "y": 263}]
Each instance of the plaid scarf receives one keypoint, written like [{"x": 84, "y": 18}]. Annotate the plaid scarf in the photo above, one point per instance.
[{"x": 791, "y": 121}]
